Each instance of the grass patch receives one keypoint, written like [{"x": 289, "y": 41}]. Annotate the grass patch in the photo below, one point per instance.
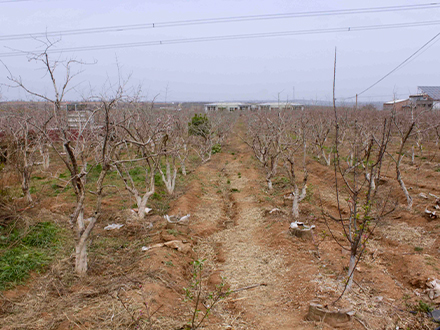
[
  {"x": 24, "y": 252},
  {"x": 173, "y": 232},
  {"x": 43, "y": 235},
  {"x": 64, "y": 175},
  {"x": 424, "y": 307},
  {"x": 309, "y": 195},
  {"x": 17, "y": 263}
]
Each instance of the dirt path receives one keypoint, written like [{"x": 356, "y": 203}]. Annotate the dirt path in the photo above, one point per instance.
[{"x": 241, "y": 253}]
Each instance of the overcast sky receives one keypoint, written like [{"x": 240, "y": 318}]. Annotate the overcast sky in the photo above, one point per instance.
[{"x": 252, "y": 69}]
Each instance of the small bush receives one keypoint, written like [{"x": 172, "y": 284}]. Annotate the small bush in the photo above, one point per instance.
[
  {"x": 199, "y": 125},
  {"x": 216, "y": 148}
]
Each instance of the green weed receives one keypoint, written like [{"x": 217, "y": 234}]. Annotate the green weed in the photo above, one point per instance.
[{"x": 31, "y": 251}]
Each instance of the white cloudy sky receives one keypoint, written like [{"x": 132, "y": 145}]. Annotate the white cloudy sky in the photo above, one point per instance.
[{"x": 253, "y": 69}]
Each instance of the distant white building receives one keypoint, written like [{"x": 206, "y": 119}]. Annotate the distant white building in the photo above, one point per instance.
[
  {"x": 230, "y": 106},
  {"x": 280, "y": 106},
  {"x": 397, "y": 105},
  {"x": 226, "y": 106},
  {"x": 78, "y": 115},
  {"x": 428, "y": 97}
]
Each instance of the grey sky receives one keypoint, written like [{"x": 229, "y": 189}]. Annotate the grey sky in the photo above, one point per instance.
[{"x": 255, "y": 69}]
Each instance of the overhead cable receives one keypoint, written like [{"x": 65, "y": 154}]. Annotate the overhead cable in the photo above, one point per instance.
[
  {"x": 227, "y": 37},
  {"x": 230, "y": 19}
]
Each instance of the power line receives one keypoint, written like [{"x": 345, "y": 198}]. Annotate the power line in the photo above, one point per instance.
[
  {"x": 12, "y": 1},
  {"x": 401, "y": 64},
  {"x": 120, "y": 28},
  {"x": 229, "y": 37}
]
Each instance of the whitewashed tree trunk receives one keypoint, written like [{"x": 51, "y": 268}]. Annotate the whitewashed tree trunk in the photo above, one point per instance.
[
  {"x": 297, "y": 198},
  {"x": 350, "y": 275},
  {"x": 81, "y": 248},
  {"x": 183, "y": 167},
  {"x": 169, "y": 178},
  {"x": 409, "y": 200},
  {"x": 141, "y": 203},
  {"x": 25, "y": 188},
  {"x": 183, "y": 156},
  {"x": 44, "y": 151},
  {"x": 269, "y": 183},
  {"x": 295, "y": 203},
  {"x": 412, "y": 155},
  {"x": 81, "y": 258},
  {"x": 327, "y": 159},
  {"x": 371, "y": 181}
]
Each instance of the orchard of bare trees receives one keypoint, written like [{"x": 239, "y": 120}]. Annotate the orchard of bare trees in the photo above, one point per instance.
[
  {"x": 121, "y": 149},
  {"x": 367, "y": 150}
]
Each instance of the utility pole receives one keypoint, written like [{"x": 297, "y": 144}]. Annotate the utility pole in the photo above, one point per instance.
[
  {"x": 356, "y": 101},
  {"x": 293, "y": 93},
  {"x": 279, "y": 98},
  {"x": 166, "y": 92}
]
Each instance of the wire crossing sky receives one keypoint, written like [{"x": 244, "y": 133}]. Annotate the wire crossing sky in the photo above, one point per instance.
[
  {"x": 402, "y": 63},
  {"x": 188, "y": 50},
  {"x": 120, "y": 28},
  {"x": 232, "y": 37}
]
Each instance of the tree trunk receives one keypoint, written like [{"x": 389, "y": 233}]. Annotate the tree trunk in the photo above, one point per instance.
[
  {"x": 405, "y": 191},
  {"x": 182, "y": 164},
  {"x": 25, "y": 188},
  {"x": 81, "y": 247},
  {"x": 44, "y": 151},
  {"x": 183, "y": 159},
  {"x": 412, "y": 155},
  {"x": 295, "y": 207},
  {"x": 142, "y": 204},
  {"x": 81, "y": 258},
  {"x": 168, "y": 178},
  {"x": 297, "y": 198},
  {"x": 371, "y": 181},
  {"x": 269, "y": 183},
  {"x": 327, "y": 159},
  {"x": 351, "y": 266}
]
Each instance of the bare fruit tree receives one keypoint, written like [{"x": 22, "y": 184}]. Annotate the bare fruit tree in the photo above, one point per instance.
[
  {"x": 169, "y": 145},
  {"x": 208, "y": 132},
  {"x": 136, "y": 158},
  {"x": 366, "y": 204},
  {"x": 22, "y": 148},
  {"x": 264, "y": 136},
  {"x": 294, "y": 156},
  {"x": 84, "y": 148},
  {"x": 322, "y": 127}
]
